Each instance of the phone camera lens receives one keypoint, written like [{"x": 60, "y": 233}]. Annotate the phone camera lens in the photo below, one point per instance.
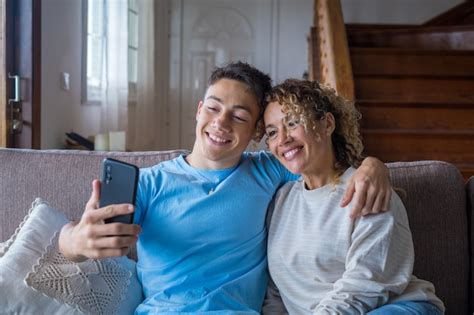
[{"x": 108, "y": 176}]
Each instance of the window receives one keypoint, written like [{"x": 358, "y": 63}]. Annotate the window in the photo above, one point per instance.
[
  {"x": 94, "y": 63},
  {"x": 132, "y": 50},
  {"x": 94, "y": 49}
]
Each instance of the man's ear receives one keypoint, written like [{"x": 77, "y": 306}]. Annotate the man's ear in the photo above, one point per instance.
[
  {"x": 199, "y": 108},
  {"x": 330, "y": 124}
]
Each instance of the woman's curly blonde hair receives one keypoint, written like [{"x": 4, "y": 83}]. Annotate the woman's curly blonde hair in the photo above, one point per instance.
[{"x": 308, "y": 102}]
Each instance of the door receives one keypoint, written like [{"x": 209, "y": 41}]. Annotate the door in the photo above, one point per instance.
[
  {"x": 21, "y": 78},
  {"x": 206, "y": 34}
]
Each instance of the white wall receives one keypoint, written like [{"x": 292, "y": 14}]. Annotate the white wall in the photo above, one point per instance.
[
  {"x": 294, "y": 21},
  {"x": 61, "y": 111}
]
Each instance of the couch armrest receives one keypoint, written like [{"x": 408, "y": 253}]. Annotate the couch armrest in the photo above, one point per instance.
[
  {"x": 435, "y": 199},
  {"x": 470, "y": 215}
]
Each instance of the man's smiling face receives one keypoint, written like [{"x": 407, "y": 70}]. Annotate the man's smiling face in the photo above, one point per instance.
[{"x": 226, "y": 122}]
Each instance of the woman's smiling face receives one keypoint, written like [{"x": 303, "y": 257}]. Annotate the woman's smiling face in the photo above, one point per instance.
[{"x": 300, "y": 151}]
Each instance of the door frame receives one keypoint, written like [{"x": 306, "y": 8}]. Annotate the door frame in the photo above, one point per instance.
[
  {"x": 3, "y": 94},
  {"x": 29, "y": 13},
  {"x": 36, "y": 80}
]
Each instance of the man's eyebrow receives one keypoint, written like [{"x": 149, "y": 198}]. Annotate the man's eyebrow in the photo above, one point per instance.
[
  {"x": 242, "y": 107},
  {"x": 270, "y": 126},
  {"x": 237, "y": 106},
  {"x": 214, "y": 98}
]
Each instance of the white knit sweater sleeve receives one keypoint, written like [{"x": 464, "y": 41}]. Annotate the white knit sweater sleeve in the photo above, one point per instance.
[{"x": 379, "y": 262}]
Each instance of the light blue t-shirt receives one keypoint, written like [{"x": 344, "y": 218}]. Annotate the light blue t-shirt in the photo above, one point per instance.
[{"x": 202, "y": 248}]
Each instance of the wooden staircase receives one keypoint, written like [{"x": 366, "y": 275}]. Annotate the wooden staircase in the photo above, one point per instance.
[{"x": 415, "y": 88}]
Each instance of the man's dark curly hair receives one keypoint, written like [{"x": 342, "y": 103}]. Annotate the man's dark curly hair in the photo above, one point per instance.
[{"x": 258, "y": 83}]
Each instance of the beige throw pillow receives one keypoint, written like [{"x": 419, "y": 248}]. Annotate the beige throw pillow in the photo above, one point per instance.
[{"x": 35, "y": 278}]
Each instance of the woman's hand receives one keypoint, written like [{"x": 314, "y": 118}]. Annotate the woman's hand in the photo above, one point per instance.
[
  {"x": 92, "y": 238},
  {"x": 369, "y": 188}
]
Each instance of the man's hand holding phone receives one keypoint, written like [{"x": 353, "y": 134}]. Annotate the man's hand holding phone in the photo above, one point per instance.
[{"x": 92, "y": 238}]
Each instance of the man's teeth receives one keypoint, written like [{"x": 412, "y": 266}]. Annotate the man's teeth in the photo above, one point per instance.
[
  {"x": 290, "y": 153},
  {"x": 217, "y": 139}
]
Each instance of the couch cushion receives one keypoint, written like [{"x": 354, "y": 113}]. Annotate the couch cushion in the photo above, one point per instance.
[
  {"x": 35, "y": 278},
  {"x": 436, "y": 205}
]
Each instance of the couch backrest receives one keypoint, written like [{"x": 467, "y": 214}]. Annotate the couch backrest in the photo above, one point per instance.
[
  {"x": 436, "y": 205},
  {"x": 62, "y": 178},
  {"x": 435, "y": 200}
]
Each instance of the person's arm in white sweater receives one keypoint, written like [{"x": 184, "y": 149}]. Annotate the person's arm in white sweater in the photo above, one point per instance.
[{"x": 379, "y": 260}]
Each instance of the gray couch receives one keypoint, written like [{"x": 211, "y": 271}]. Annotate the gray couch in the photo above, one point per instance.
[{"x": 439, "y": 206}]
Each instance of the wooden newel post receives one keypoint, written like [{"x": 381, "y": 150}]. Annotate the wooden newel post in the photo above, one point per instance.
[{"x": 329, "y": 57}]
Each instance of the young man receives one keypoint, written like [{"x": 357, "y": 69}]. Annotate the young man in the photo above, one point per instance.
[{"x": 202, "y": 242}]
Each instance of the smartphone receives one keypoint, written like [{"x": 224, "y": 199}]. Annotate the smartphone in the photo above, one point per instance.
[{"x": 118, "y": 185}]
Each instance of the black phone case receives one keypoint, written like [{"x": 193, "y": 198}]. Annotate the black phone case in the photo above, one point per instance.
[{"x": 118, "y": 185}]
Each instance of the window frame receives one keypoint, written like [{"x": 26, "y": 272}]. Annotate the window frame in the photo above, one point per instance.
[
  {"x": 132, "y": 86},
  {"x": 84, "y": 58}
]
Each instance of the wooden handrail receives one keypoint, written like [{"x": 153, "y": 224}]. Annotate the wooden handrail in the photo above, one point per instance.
[{"x": 329, "y": 57}]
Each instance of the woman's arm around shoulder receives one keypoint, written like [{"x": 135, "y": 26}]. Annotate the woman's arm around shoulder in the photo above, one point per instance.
[{"x": 369, "y": 189}]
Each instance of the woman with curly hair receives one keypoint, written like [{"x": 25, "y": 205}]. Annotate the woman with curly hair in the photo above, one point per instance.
[{"x": 322, "y": 261}]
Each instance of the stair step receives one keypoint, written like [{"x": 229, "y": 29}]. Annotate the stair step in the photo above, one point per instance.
[
  {"x": 396, "y": 146},
  {"x": 407, "y": 104},
  {"x": 462, "y": 14},
  {"x": 412, "y": 62},
  {"x": 443, "y": 120},
  {"x": 419, "y": 132},
  {"x": 352, "y": 28},
  {"x": 422, "y": 37},
  {"x": 408, "y": 89}
]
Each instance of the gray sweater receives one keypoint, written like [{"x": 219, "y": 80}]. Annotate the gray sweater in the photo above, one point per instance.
[{"x": 325, "y": 263}]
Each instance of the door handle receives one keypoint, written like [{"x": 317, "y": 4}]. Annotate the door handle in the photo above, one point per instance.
[
  {"x": 17, "y": 126},
  {"x": 15, "y": 111},
  {"x": 16, "y": 79}
]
